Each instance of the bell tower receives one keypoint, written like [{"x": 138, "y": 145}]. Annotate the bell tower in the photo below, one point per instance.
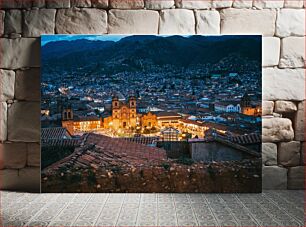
[
  {"x": 133, "y": 111},
  {"x": 245, "y": 100},
  {"x": 67, "y": 114},
  {"x": 246, "y": 107},
  {"x": 132, "y": 102},
  {"x": 116, "y": 112},
  {"x": 115, "y": 102}
]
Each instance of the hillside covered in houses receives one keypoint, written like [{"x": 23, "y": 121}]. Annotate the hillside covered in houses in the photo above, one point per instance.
[{"x": 159, "y": 109}]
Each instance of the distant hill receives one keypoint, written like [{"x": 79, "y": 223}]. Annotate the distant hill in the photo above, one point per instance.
[
  {"x": 149, "y": 50},
  {"x": 59, "y": 49}
]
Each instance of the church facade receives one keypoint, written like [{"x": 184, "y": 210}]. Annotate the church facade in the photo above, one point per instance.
[
  {"x": 124, "y": 115},
  {"x": 250, "y": 108}
]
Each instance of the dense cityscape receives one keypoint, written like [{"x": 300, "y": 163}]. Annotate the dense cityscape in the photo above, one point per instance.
[{"x": 151, "y": 103}]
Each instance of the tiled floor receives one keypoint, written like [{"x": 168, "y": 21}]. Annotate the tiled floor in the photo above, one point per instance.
[{"x": 271, "y": 208}]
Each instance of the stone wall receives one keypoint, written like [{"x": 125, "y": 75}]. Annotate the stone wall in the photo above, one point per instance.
[
  {"x": 281, "y": 22},
  {"x": 169, "y": 176}
]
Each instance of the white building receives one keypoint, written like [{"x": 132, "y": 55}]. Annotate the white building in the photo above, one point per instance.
[{"x": 228, "y": 107}]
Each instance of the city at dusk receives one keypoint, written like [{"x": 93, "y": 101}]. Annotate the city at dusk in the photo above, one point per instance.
[{"x": 144, "y": 113}]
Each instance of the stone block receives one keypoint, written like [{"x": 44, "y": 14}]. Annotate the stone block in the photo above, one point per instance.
[
  {"x": 222, "y": 3},
  {"x": 242, "y": 4},
  {"x": 2, "y": 15},
  {"x": 159, "y": 4},
  {"x": 267, "y": 107},
  {"x": 177, "y": 21},
  {"x": 81, "y": 21},
  {"x": 99, "y": 3},
  {"x": 13, "y": 21},
  {"x": 276, "y": 84},
  {"x": 290, "y": 22},
  {"x": 33, "y": 154},
  {"x": 39, "y": 3},
  {"x": 55, "y": 4},
  {"x": 289, "y": 153},
  {"x": 15, "y": 4},
  {"x": 271, "y": 51},
  {"x": 13, "y": 155},
  {"x": 191, "y": 4},
  {"x": 24, "y": 122},
  {"x": 303, "y": 160},
  {"x": 274, "y": 177},
  {"x": 293, "y": 52},
  {"x": 3, "y": 121},
  {"x": 248, "y": 21},
  {"x": 296, "y": 177},
  {"x": 139, "y": 22},
  {"x": 293, "y": 3},
  {"x": 7, "y": 82},
  {"x": 208, "y": 22},
  {"x": 276, "y": 115},
  {"x": 25, "y": 180},
  {"x": 277, "y": 129},
  {"x": 27, "y": 85},
  {"x": 269, "y": 154},
  {"x": 80, "y": 3},
  {"x": 285, "y": 107},
  {"x": 126, "y": 4},
  {"x": 262, "y": 4},
  {"x": 39, "y": 21},
  {"x": 20, "y": 53},
  {"x": 299, "y": 122},
  {"x": 13, "y": 36}
]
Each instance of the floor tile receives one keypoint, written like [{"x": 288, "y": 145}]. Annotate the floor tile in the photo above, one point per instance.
[{"x": 270, "y": 208}]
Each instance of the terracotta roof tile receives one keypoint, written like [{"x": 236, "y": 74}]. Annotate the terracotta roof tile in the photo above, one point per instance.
[
  {"x": 100, "y": 151},
  {"x": 247, "y": 139},
  {"x": 54, "y": 133}
]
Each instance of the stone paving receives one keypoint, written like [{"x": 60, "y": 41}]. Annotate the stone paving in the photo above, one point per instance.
[{"x": 270, "y": 208}]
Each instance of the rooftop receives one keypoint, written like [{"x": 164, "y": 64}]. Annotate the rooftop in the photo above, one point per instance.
[
  {"x": 247, "y": 139},
  {"x": 98, "y": 151},
  {"x": 141, "y": 140},
  {"x": 165, "y": 114},
  {"x": 54, "y": 133},
  {"x": 86, "y": 118},
  {"x": 226, "y": 103},
  {"x": 62, "y": 142}
]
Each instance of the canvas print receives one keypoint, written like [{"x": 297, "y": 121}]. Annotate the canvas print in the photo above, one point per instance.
[{"x": 144, "y": 113}]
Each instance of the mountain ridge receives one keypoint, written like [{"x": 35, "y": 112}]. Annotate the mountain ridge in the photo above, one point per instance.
[{"x": 179, "y": 51}]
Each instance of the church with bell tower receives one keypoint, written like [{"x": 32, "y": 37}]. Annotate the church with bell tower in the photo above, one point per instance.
[
  {"x": 249, "y": 108},
  {"x": 124, "y": 115}
]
